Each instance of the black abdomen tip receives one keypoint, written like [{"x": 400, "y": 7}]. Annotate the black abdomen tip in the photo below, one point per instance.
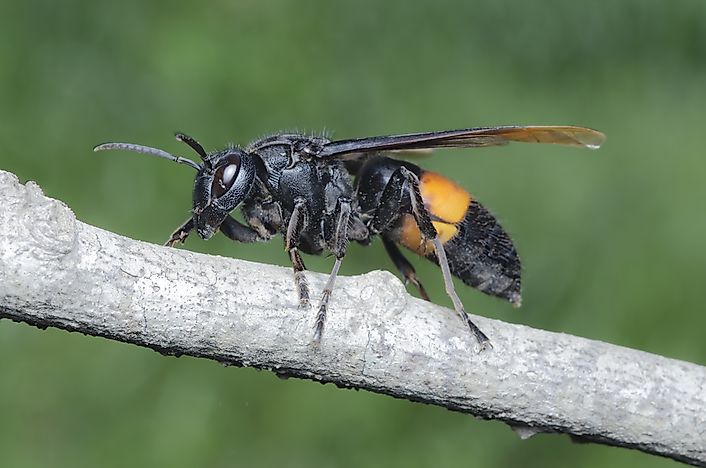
[{"x": 482, "y": 255}]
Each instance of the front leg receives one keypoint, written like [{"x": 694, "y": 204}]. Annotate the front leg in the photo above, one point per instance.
[
  {"x": 230, "y": 227},
  {"x": 299, "y": 277},
  {"x": 297, "y": 222},
  {"x": 263, "y": 216},
  {"x": 236, "y": 231},
  {"x": 181, "y": 233}
]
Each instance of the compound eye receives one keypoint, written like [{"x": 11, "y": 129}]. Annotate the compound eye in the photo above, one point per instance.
[{"x": 225, "y": 176}]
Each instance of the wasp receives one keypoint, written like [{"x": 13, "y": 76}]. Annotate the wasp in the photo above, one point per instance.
[{"x": 321, "y": 194}]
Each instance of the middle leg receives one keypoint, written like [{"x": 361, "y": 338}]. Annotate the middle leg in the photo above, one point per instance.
[
  {"x": 403, "y": 265},
  {"x": 338, "y": 245}
]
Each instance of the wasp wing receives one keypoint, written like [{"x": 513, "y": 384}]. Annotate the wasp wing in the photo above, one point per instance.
[{"x": 468, "y": 138}]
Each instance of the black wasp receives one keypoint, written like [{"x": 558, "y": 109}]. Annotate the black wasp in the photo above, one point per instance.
[{"x": 321, "y": 194}]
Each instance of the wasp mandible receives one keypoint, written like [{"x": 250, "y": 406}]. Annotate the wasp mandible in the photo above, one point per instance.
[{"x": 320, "y": 194}]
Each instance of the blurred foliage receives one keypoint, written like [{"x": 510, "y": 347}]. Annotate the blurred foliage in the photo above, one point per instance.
[{"x": 612, "y": 241}]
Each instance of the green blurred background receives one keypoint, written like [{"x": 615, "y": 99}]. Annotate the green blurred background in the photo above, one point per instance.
[{"x": 612, "y": 241}]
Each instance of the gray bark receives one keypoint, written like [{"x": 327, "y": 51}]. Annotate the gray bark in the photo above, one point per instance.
[{"x": 56, "y": 271}]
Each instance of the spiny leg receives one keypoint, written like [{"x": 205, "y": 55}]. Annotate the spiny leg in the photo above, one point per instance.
[
  {"x": 483, "y": 340},
  {"x": 404, "y": 267},
  {"x": 391, "y": 208},
  {"x": 300, "y": 277},
  {"x": 323, "y": 305},
  {"x": 181, "y": 233},
  {"x": 297, "y": 223},
  {"x": 231, "y": 227},
  {"x": 421, "y": 216},
  {"x": 340, "y": 242}
]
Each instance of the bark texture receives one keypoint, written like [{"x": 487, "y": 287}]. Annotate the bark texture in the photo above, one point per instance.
[{"x": 56, "y": 271}]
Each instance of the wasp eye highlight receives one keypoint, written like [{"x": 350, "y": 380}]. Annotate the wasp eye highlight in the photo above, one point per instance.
[
  {"x": 225, "y": 176},
  {"x": 229, "y": 174}
]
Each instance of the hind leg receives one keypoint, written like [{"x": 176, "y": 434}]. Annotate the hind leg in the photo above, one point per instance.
[{"x": 405, "y": 183}]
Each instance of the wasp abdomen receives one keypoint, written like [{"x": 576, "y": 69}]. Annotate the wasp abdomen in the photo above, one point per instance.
[
  {"x": 479, "y": 251},
  {"x": 482, "y": 255}
]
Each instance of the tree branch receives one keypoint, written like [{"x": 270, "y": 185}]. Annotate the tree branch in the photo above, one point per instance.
[{"x": 56, "y": 271}]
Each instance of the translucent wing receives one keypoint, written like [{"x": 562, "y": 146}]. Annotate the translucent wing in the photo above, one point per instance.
[{"x": 468, "y": 138}]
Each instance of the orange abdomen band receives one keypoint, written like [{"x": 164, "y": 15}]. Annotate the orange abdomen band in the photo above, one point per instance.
[{"x": 446, "y": 201}]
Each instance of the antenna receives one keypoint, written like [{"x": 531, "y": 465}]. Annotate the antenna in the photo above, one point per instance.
[
  {"x": 195, "y": 145},
  {"x": 151, "y": 151}
]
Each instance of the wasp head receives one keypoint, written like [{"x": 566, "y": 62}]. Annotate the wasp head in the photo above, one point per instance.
[{"x": 222, "y": 183}]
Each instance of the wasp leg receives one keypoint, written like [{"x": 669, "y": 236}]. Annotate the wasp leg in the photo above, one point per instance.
[
  {"x": 338, "y": 247},
  {"x": 404, "y": 267},
  {"x": 299, "y": 277},
  {"x": 181, "y": 233},
  {"x": 483, "y": 340},
  {"x": 405, "y": 180},
  {"x": 421, "y": 216},
  {"x": 297, "y": 223},
  {"x": 265, "y": 218},
  {"x": 236, "y": 231}
]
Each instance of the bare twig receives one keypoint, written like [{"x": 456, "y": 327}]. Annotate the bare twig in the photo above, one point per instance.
[{"x": 56, "y": 271}]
